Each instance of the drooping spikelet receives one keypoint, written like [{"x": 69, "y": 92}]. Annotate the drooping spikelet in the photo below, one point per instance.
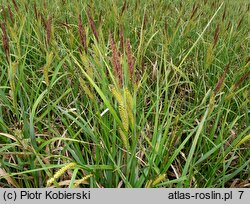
[
  {"x": 80, "y": 181},
  {"x": 60, "y": 172},
  {"x": 160, "y": 178}
]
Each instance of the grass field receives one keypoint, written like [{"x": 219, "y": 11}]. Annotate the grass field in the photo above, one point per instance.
[{"x": 132, "y": 93}]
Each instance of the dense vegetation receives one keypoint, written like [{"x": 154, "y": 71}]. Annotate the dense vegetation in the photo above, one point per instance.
[{"x": 138, "y": 93}]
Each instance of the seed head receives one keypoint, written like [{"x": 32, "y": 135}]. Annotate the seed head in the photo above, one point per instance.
[
  {"x": 48, "y": 30},
  {"x": 221, "y": 80},
  {"x": 82, "y": 33},
  {"x": 15, "y": 5},
  {"x": 131, "y": 61},
  {"x": 5, "y": 40},
  {"x": 116, "y": 60},
  {"x": 92, "y": 25}
]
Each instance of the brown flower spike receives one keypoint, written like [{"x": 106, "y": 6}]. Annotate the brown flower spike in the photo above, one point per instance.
[
  {"x": 5, "y": 40},
  {"x": 131, "y": 61},
  {"x": 116, "y": 60},
  {"x": 82, "y": 33},
  {"x": 92, "y": 25}
]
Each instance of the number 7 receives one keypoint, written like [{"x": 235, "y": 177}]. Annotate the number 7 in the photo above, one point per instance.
[{"x": 241, "y": 193}]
